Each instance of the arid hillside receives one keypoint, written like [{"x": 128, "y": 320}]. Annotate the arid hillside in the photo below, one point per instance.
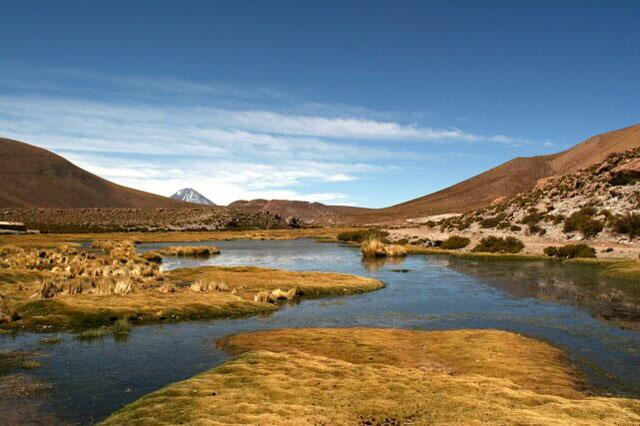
[
  {"x": 506, "y": 180},
  {"x": 34, "y": 177},
  {"x": 310, "y": 213},
  {"x": 509, "y": 179}
]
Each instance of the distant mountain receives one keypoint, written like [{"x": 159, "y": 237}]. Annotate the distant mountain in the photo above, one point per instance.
[
  {"x": 311, "y": 213},
  {"x": 190, "y": 195},
  {"x": 505, "y": 181},
  {"x": 34, "y": 177}
]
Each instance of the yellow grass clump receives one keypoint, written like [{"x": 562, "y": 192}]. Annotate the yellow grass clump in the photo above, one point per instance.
[
  {"x": 67, "y": 288},
  {"x": 376, "y": 248},
  {"x": 382, "y": 376},
  {"x": 192, "y": 251}
]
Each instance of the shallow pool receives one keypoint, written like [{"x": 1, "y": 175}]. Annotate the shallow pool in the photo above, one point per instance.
[{"x": 562, "y": 304}]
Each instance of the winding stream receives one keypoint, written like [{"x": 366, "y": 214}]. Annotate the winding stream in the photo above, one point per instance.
[{"x": 562, "y": 304}]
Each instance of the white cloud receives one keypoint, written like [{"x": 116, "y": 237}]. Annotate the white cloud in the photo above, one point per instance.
[{"x": 225, "y": 152}]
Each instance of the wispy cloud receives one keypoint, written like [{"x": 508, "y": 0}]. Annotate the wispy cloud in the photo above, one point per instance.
[{"x": 226, "y": 150}]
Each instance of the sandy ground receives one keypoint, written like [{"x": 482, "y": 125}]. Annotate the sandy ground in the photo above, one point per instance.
[{"x": 533, "y": 244}]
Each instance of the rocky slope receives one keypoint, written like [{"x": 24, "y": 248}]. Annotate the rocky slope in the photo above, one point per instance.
[
  {"x": 190, "y": 195},
  {"x": 304, "y": 211},
  {"x": 600, "y": 203},
  {"x": 509, "y": 179}
]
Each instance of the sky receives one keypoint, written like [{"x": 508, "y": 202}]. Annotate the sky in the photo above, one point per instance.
[{"x": 366, "y": 103}]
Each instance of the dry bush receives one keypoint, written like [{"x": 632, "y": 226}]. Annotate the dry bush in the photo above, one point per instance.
[
  {"x": 629, "y": 224},
  {"x": 194, "y": 251},
  {"x": 376, "y": 248},
  {"x": 455, "y": 242},
  {"x": 570, "y": 251},
  {"x": 493, "y": 244}
]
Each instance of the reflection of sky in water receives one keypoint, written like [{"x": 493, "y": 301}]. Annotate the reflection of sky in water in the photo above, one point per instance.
[{"x": 92, "y": 379}]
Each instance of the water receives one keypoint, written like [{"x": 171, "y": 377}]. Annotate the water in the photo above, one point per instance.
[{"x": 564, "y": 305}]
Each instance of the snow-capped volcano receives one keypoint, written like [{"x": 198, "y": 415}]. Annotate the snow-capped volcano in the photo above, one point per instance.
[{"x": 190, "y": 195}]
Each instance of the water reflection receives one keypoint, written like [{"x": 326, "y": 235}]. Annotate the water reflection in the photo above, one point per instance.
[
  {"x": 581, "y": 286},
  {"x": 374, "y": 264}
]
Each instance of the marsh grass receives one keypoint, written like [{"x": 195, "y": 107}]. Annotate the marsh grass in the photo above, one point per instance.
[
  {"x": 570, "y": 251},
  {"x": 363, "y": 376},
  {"x": 376, "y": 248},
  {"x": 189, "y": 251},
  {"x": 53, "y": 340},
  {"x": 229, "y": 293},
  {"x": 15, "y": 360}
]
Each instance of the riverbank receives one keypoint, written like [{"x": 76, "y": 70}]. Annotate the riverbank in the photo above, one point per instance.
[
  {"x": 54, "y": 240},
  {"x": 534, "y": 245},
  {"x": 183, "y": 294},
  {"x": 386, "y": 376}
]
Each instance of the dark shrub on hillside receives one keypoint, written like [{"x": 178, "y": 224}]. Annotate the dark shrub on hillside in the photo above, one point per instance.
[
  {"x": 514, "y": 228},
  {"x": 492, "y": 222},
  {"x": 536, "y": 230},
  {"x": 455, "y": 242},
  {"x": 582, "y": 221},
  {"x": 570, "y": 251},
  {"x": 499, "y": 245},
  {"x": 362, "y": 235},
  {"x": 555, "y": 218},
  {"x": 625, "y": 178},
  {"x": 628, "y": 224},
  {"x": 532, "y": 219}
]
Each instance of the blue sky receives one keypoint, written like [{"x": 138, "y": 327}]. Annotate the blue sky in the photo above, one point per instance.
[{"x": 364, "y": 102}]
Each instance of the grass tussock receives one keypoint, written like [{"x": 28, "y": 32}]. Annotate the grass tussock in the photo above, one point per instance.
[
  {"x": 455, "y": 242},
  {"x": 53, "y": 340},
  {"x": 38, "y": 300},
  {"x": 376, "y": 248},
  {"x": 570, "y": 251},
  {"x": 493, "y": 244},
  {"x": 189, "y": 251},
  {"x": 119, "y": 327},
  {"x": 382, "y": 376}
]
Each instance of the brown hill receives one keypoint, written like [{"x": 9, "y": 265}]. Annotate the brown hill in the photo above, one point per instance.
[
  {"x": 508, "y": 179},
  {"x": 34, "y": 177},
  {"x": 311, "y": 213}
]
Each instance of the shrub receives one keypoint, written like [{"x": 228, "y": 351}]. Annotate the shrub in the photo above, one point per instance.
[
  {"x": 583, "y": 222},
  {"x": 499, "y": 245},
  {"x": 628, "y": 224},
  {"x": 455, "y": 242},
  {"x": 492, "y": 222},
  {"x": 514, "y": 228},
  {"x": 555, "y": 218},
  {"x": 570, "y": 251},
  {"x": 362, "y": 235},
  {"x": 532, "y": 218},
  {"x": 536, "y": 229}
]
